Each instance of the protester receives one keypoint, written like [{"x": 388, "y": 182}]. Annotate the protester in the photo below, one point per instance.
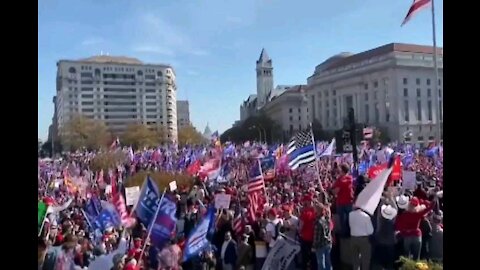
[{"x": 82, "y": 222}]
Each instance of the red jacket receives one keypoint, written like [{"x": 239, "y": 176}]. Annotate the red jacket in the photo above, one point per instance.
[
  {"x": 345, "y": 190},
  {"x": 408, "y": 223}
]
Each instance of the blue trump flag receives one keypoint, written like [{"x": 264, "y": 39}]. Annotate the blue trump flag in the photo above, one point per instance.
[
  {"x": 197, "y": 240},
  {"x": 107, "y": 218},
  {"x": 164, "y": 223},
  {"x": 148, "y": 202}
]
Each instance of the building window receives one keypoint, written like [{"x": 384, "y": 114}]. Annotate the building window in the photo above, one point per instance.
[
  {"x": 418, "y": 81},
  {"x": 291, "y": 118},
  {"x": 290, "y": 110},
  {"x": 420, "y": 138},
  {"x": 366, "y": 86},
  {"x": 439, "y": 93},
  {"x": 430, "y": 113},
  {"x": 334, "y": 92},
  {"x": 429, "y": 92},
  {"x": 377, "y": 113},
  {"x": 327, "y": 103},
  {"x": 428, "y": 81},
  {"x": 334, "y": 102},
  {"x": 367, "y": 113},
  {"x": 405, "y": 81},
  {"x": 299, "y": 118},
  {"x": 406, "y": 112},
  {"x": 419, "y": 110},
  {"x": 375, "y": 84},
  {"x": 366, "y": 96},
  {"x": 439, "y": 82},
  {"x": 405, "y": 92},
  {"x": 440, "y": 110},
  {"x": 418, "y": 92},
  {"x": 299, "y": 110}
]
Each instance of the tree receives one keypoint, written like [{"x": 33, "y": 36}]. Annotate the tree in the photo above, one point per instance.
[
  {"x": 107, "y": 160},
  {"x": 139, "y": 136},
  {"x": 252, "y": 129},
  {"x": 189, "y": 135},
  {"x": 162, "y": 179},
  {"x": 83, "y": 132}
]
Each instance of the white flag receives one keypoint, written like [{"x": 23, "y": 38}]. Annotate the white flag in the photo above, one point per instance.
[{"x": 370, "y": 196}]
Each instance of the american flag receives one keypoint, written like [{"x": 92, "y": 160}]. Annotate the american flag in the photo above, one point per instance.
[
  {"x": 255, "y": 178},
  {"x": 253, "y": 205},
  {"x": 416, "y": 6},
  {"x": 119, "y": 204},
  {"x": 301, "y": 150},
  {"x": 238, "y": 225}
]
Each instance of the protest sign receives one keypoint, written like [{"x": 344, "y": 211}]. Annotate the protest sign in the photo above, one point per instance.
[
  {"x": 173, "y": 185},
  {"x": 222, "y": 201},
  {"x": 409, "y": 180},
  {"x": 132, "y": 194},
  {"x": 281, "y": 255}
]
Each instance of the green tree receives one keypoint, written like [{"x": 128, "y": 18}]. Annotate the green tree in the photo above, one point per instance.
[
  {"x": 139, "y": 136},
  {"x": 83, "y": 132},
  {"x": 252, "y": 129},
  {"x": 189, "y": 135}
]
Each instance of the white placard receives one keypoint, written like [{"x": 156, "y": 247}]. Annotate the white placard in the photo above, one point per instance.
[
  {"x": 173, "y": 185},
  {"x": 222, "y": 201},
  {"x": 409, "y": 180},
  {"x": 108, "y": 189},
  {"x": 132, "y": 194}
]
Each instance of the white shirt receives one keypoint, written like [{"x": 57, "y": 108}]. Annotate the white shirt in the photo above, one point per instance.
[
  {"x": 360, "y": 223},
  {"x": 271, "y": 228}
]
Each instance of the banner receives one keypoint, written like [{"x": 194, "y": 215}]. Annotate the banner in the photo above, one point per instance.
[
  {"x": 164, "y": 223},
  {"x": 173, "y": 185},
  {"x": 374, "y": 171},
  {"x": 222, "y": 201},
  {"x": 281, "y": 255},
  {"x": 268, "y": 167},
  {"x": 42, "y": 212},
  {"x": 370, "y": 196},
  {"x": 132, "y": 194},
  {"x": 197, "y": 240}
]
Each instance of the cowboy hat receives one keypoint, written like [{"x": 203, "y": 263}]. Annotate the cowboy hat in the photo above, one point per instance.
[
  {"x": 388, "y": 212},
  {"x": 402, "y": 201}
]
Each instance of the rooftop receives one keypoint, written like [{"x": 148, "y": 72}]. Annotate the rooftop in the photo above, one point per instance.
[
  {"x": 344, "y": 59},
  {"x": 107, "y": 59}
]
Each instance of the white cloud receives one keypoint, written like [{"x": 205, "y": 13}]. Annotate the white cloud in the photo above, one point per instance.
[
  {"x": 92, "y": 41},
  {"x": 151, "y": 30}
]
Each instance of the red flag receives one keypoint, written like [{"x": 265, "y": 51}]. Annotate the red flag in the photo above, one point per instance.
[
  {"x": 414, "y": 8},
  {"x": 194, "y": 168},
  {"x": 396, "y": 171},
  {"x": 375, "y": 170}
]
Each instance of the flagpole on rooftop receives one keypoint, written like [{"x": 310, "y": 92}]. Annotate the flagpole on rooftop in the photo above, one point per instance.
[{"x": 435, "y": 67}]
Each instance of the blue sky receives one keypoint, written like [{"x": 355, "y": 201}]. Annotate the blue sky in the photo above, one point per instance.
[{"x": 213, "y": 44}]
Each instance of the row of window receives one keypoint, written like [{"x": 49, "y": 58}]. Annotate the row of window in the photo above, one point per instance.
[
  {"x": 418, "y": 81},
  {"x": 419, "y": 92},
  {"x": 419, "y": 110}
]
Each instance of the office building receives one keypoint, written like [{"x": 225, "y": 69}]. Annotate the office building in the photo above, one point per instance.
[
  {"x": 392, "y": 87},
  {"x": 183, "y": 113},
  {"x": 118, "y": 91}
]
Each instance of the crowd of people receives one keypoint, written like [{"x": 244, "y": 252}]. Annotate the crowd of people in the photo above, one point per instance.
[{"x": 313, "y": 208}]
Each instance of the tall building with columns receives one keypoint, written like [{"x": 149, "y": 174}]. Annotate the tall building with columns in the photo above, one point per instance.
[{"x": 391, "y": 86}]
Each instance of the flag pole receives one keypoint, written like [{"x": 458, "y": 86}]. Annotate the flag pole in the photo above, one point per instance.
[
  {"x": 316, "y": 157},
  {"x": 151, "y": 226},
  {"x": 436, "y": 94}
]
